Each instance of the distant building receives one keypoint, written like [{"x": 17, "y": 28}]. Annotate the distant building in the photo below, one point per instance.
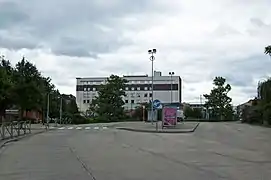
[
  {"x": 138, "y": 90},
  {"x": 241, "y": 107},
  {"x": 14, "y": 114}
]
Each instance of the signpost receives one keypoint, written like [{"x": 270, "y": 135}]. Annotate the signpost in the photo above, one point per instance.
[{"x": 169, "y": 117}]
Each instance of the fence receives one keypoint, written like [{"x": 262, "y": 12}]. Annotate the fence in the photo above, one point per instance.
[{"x": 14, "y": 129}]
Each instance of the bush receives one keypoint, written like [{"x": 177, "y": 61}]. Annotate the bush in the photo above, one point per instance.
[{"x": 78, "y": 119}]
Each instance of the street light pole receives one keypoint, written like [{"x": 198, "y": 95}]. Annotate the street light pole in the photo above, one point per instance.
[
  {"x": 171, "y": 74},
  {"x": 152, "y": 58}
]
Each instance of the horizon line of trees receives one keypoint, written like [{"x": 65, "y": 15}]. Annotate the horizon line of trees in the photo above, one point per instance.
[{"x": 23, "y": 87}]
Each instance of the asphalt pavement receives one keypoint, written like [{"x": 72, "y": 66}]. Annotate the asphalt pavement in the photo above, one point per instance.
[{"x": 214, "y": 151}]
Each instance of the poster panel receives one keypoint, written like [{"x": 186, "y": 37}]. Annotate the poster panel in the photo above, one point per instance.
[{"x": 169, "y": 116}]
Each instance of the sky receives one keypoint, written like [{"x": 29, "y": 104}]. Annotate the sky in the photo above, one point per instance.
[{"x": 198, "y": 40}]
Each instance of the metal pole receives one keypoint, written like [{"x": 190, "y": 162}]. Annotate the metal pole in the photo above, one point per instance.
[
  {"x": 201, "y": 109},
  {"x": 60, "y": 111},
  {"x": 48, "y": 104},
  {"x": 152, "y": 59},
  {"x": 170, "y": 88}
]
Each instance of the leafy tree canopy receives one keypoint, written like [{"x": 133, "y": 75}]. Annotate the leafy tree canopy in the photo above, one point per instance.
[
  {"x": 218, "y": 100},
  {"x": 6, "y": 85},
  {"x": 268, "y": 50},
  {"x": 23, "y": 87},
  {"x": 108, "y": 105}
]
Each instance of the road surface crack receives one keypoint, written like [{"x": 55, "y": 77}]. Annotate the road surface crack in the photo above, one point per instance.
[
  {"x": 85, "y": 167},
  {"x": 241, "y": 159}
]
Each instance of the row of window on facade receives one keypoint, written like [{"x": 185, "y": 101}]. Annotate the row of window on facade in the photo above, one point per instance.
[
  {"x": 132, "y": 101},
  {"x": 130, "y": 82},
  {"x": 126, "y": 89},
  {"x": 132, "y": 95}
]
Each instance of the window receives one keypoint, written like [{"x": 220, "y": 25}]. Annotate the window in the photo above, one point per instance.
[
  {"x": 132, "y": 82},
  {"x": 132, "y": 89},
  {"x": 88, "y": 89},
  {"x": 150, "y": 88},
  {"x": 145, "y": 88},
  {"x": 150, "y": 81},
  {"x": 126, "y": 101},
  {"x": 150, "y": 94},
  {"x": 138, "y": 88},
  {"x": 146, "y": 95},
  {"x": 146, "y": 82},
  {"x": 126, "y": 88},
  {"x": 93, "y": 82},
  {"x": 138, "y": 82},
  {"x": 88, "y": 82},
  {"x": 85, "y": 89},
  {"x": 84, "y": 101},
  {"x": 132, "y": 95},
  {"x": 132, "y": 101},
  {"x": 138, "y": 94},
  {"x": 88, "y": 101},
  {"x": 138, "y": 101},
  {"x": 94, "y": 89},
  {"x": 85, "y": 82}
]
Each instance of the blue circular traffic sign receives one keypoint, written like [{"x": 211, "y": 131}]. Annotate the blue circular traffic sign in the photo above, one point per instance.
[{"x": 156, "y": 103}]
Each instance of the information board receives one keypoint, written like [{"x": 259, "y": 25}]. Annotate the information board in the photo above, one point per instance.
[{"x": 169, "y": 116}]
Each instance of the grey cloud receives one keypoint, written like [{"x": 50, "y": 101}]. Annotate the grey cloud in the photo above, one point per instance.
[
  {"x": 10, "y": 13},
  {"x": 257, "y": 22},
  {"x": 17, "y": 42},
  {"x": 243, "y": 72},
  {"x": 93, "y": 27},
  {"x": 224, "y": 30}
]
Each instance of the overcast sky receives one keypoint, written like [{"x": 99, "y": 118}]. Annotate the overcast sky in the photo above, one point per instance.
[{"x": 196, "y": 39}]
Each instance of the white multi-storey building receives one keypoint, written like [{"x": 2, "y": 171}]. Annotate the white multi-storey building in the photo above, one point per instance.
[{"x": 138, "y": 90}]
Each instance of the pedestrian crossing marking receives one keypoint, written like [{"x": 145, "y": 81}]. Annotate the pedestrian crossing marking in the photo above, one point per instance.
[{"x": 80, "y": 128}]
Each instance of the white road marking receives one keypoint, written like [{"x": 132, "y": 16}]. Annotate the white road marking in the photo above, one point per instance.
[
  {"x": 105, "y": 127},
  {"x": 87, "y": 128},
  {"x": 61, "y": 128},
  {"x": 96, "y": 127},
  {"x": 70, "y": 127},
  {"x": 79, "y": 128}
]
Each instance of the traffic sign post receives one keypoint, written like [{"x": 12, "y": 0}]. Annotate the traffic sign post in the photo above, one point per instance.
[{"x": 156, "y": 104}]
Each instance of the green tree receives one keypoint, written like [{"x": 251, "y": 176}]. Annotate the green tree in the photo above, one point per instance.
[
  {"x": 268, "y": 50},
  {"x": 29, "y": 92},
  {"x": 265, "y": 100},
  {"x": 218, "y": 100},
  {"x": 108, "y": 106},
  {"x": 6, "y": 86}
]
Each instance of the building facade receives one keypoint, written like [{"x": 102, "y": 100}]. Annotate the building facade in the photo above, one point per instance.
[{"x": 138, "y": 90}]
